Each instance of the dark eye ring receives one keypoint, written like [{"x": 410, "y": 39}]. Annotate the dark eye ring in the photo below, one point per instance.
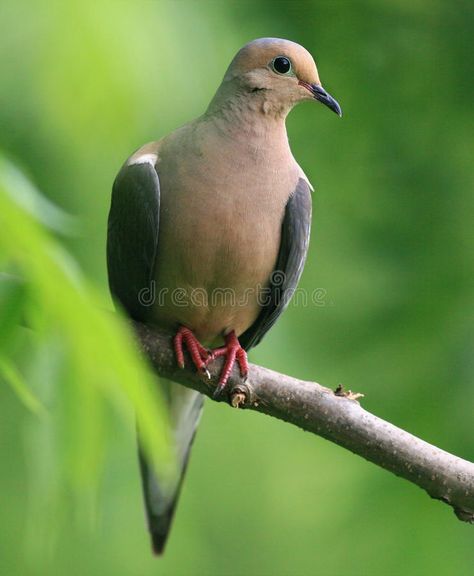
[{"x": 281, "y": 65}]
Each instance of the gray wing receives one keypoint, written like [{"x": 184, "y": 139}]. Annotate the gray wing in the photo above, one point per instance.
[
  {"x": 291, "y": 258},
  {"x": 132, "y": 243},
  {"x": 132, "y": 237}
]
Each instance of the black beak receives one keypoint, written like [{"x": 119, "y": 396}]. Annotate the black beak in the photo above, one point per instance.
[{"x": 322, "y": 96}]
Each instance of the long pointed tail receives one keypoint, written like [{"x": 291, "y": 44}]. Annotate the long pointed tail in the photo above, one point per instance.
[{"x": 185, "y": 408}]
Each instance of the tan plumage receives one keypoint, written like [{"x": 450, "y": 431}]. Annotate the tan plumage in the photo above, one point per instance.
[{"x": 225, "y": 179}]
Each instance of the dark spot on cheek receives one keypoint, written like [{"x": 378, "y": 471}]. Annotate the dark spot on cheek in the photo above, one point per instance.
[{"x": 257, "y": 90}]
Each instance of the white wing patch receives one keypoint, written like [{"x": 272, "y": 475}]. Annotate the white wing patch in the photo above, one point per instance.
[{"x": 143, "y": 159}]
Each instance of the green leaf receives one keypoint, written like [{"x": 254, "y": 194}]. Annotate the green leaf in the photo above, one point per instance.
[
  {"x": 13, "y": 296},
  {"x": 104, "y": 367},
  {"x": 12, "y": 377}
]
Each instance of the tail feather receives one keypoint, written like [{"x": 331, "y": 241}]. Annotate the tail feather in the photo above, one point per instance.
[{"x": 185, "y": 407}]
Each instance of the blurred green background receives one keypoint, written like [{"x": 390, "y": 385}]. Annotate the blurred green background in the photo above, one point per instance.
[{"x": 84, "y": 84}]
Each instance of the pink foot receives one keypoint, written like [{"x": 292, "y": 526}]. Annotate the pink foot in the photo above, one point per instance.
[
  {"x": 233, "y": 353},
  {"x": 199, "y": 355}
]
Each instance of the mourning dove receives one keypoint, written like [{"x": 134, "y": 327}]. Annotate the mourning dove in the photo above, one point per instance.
[{"x": 209, "y": 229}]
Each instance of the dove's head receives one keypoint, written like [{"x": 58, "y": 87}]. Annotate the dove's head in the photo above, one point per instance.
[{"x": 278, "y": 72}]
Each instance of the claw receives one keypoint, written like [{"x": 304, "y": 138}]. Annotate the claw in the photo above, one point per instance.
[
  {"x": 206, "y": 373},
  {"x": 199, "y": 354},
  {"x": 233, "y": 352}
]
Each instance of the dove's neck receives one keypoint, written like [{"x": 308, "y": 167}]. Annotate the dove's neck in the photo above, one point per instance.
[{"x": 256, "y": 114}]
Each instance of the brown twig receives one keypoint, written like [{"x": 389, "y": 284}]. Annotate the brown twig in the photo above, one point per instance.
[{"x": 336, "y": 416}]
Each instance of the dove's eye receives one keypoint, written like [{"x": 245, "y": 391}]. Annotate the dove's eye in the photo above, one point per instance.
[{"x": 281, "y": 65}]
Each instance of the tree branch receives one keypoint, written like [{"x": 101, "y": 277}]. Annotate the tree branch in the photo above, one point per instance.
[{"x": 335, "y": 416}]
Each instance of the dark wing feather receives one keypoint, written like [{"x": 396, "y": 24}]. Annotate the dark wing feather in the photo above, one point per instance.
[
  {"x": 294, "y": 244},
  {"x": 132, "y": 237},
  {"x": 131, "y": 253}
]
